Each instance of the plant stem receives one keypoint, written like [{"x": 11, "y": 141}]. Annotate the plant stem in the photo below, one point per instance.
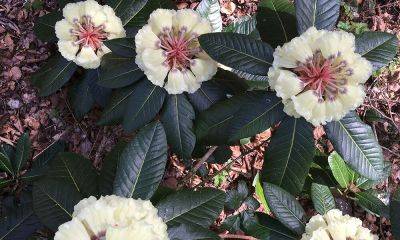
[{"x": 226, "y": 236}]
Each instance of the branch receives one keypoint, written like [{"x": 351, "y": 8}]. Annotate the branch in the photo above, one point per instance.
[{"x": 233, "y": 236}]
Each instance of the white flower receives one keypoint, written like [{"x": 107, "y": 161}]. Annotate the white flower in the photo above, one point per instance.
[
  {"x": 82, "y": 31},
  {"x": 113, "y": 218},
  {"x": 319, "y": 76},
  {"x": 169, "y": 53},
  {"x": 336, "y": 226}
]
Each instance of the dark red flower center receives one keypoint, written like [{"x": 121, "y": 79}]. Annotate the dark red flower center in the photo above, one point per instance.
[
  {"x": 87, "y": 34},
  {"x": 327, "y": 77},
  {"x": 180, "y": 48}
]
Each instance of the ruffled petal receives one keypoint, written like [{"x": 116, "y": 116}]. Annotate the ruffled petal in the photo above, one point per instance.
[
  {"x": 73, "y": 229},
  {"x": 145, "y": 38},
  {"x": 87, "y": 58},
  {"x": 161, "y": 20},
  {"x": 288, "y": 108},
  {"x": 176, "y": 82},
  {"x": 202, "y": 27},
  {"x": 185, "y": 19},
  {"x": 73, "y": 12},
  {"x": 335, "y": 43},
  {"x": 334, "y": 110},
  {"x": 315, "y": 223},
  {"x": 94, "y": 11},
  {"x": 68, "y": 49},
  {"x": 319, "y": 114},
  {"x": 291, "y": 53},
  {"x": 353, "y": 97},
  {"x": 63, "y": 30},
  {"x": 286, "y": 83},
  {"x": 203, "y": 69},
  {"x": 305, "y": 103},
  {"x": 113, "y": 23}
]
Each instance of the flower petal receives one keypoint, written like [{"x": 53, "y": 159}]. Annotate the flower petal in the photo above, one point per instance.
[
  {"x": 113, "y": 23},
  {"x": 288, "y": 56},
  {"x": 202, "y": 27},
  {"x": 73, "y": 229},
  {"x": 161, "y": 20},
  {"x": 73, "y": 12},
  {"x": 94, "y": 11},
  {"x": 87, "y": 58},
  {"x": 204, "y": 70},
  {"x": 145, "y": 38},
  {"x": 185, "y": 19},
  {"x": 63, "y": 30},
  {"x": 176, "y": 83},
  {"x": 286, "y": 83},
  {"x": 305, "y": 103},
  {"x": 68, "y": 49}
]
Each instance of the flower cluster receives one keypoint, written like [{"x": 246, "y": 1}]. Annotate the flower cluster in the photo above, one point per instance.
[
  {"x": 167, "y": 47},
  {"x": 113, "y": 218},
  {"x": 84, "y": 28},
  {"x": 336, "y": 226},
  {"x": 319, "y": 76}
]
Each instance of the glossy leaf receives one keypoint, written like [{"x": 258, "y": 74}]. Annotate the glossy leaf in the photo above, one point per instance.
[
  {"x": 285, "y": 207},
  {"x": 199, "y": 208},
  {"x": 378, "y": 47},
  {"x": 238, "y": 51},
  {"x": 372, "y": 204},
  {"x": 53, "y": 75},
  {"x": 81, "y": 96},
  {"x": 276, "y": 21},
  {"x": 322, "y": 198},
  {"x": 122, "y": 46},
  {"x": 5, "y": 164},
  {"x": 208, "y": 94},
  {"x": 44, "y": 26},
  {"x": 356, "y": 143},
  {"x": 192, "y": 232},
  {"x": 144, "y": 104},
  {"x": 22, "y": 152},
  {"x": 289, "y": 155},
  {"x": 118, "y": 71},
  {"x": 142, "y": 163},
  {"x": 127, "y": 9},
  {"x": 244, "y": 25},
  {"x": 340, "y": 170},
  {"x": 211, "y": 10},
  {"x": 322, "y": 14},
  {"x": 177, "y": 118}
]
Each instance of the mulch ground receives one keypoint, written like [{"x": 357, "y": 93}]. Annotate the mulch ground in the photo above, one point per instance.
[{"x": 49, "y": 119}]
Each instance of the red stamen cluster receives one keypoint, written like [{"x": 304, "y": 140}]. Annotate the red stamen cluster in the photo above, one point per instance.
[
  {"x": 89, "y": 35},
  {"x": 180, "y": 48},
  {"x": 327, "y": 77}
]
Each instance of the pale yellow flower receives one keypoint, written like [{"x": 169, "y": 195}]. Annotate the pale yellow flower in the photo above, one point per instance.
[
  {"x": 82, "y": 31},
  {"x": 113, "y": 218},
  {"x": 169, "y": 53},
  {"x": 319, "y": 76}
]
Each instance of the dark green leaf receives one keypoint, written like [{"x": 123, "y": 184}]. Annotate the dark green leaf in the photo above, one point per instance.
[
  {"x": 114, "y": 111},
  {"x": 322, "y": 14},
  {"x": 141, "y": 18},
  {"x": 285, "y": 207},
  {"x": 118, "y": 71},
  {"x": 192, "y": 232},
  {"x": 340, "y": 170},
  {"x": 322, "y": 198},
  {"x": 109, "y": 169},
  {"x": 356, "y": 143},
  {"x": 22, "y": 152},
  {"x": 289, "y": 155},
  {"x": 208, "y": 94},
  {"x": 75, "y": 169},
  {"x": 276, "y": 21},
  {"x": 251, "y": 203},
  {"x": 142, "y": 163},
  {"x": 144, "y": 104},
  {"x": 244, "y": 25},
  {"x": 8, "y": 150},
  {"x": 264, "y": 227},
  {"x": 54, "y": 201},
  {"x": 177, "y": 118},
  {"x": 378, "y": 47},
  {"x": 231, "y": 223},
  {"x": 81, "y": 96},
  {"x": 233, "y": 199},
  {"x": 127, "y": 9},
  {"x": 238, "y": 51},
  {"x": 18, "y": 221},
  {"x": 394, "y": 214},
  {"x": 5, "y": 164},
  {"x": 44, "y": 26},
  {"x": 53, "y": 75},
  {"x": 161, "y": 193},
  {"x": 372, "y": 204},
  {"x": 122, "y": 46},
  {"x": 199, "y": 208},
  {"x": 211, "y": 10}
]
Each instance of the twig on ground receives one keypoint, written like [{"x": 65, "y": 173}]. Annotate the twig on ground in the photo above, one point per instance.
[{"x": 233, "y": 236}]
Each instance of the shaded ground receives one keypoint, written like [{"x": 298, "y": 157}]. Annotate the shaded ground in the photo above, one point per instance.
[{"x": 49, "y": 119}]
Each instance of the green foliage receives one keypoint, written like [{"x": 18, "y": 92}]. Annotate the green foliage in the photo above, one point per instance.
[{"x": 322, "y": 198}]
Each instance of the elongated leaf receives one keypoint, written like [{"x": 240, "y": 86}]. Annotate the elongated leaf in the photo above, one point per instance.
[
  {"x": 127, "y": 9},
  {"x": 356, "y": 143},
  {"x": 289, "y": 155},
  {"x": 378, "y": 47},
  {"x": 5, "y": 164},
  {"x": 44, "y": 26},
  {"x": 208, "y": 94},
  {"x": 118, "y": 71},
  {"x": 192, "y": 232},
  {"x": 244, "y": 25},
  {"x": 22, "y": 152},
  {"x": 54, "y": 201},
  {"x": 394, "y": 214},
  {"x": 276, "y": 21},
  {"x": 74, "y": 168},
  {"x": 109, "y": 169},
  {"x": 81, "y": 96},
  {"x": 53, "y": 75},
  {"x": 144, "y": 104},
  {"x": 177, "y": 118},
  {"x": 322, "y": 14},
  {"x": 199, "y": 208},
  {"x": 340, "y": 171},
  {"x": 285, "y": 207},
  {"x": 18, "y": 221},
  {"x": 372, "y": 204},
  {"x": 263, "y": 226},
  {"x": 122, "y": 46},
  {"x": 238, "y": 51},
  {"x": 114, "y": 111},
  {"x": 211, "y": 10},
  {"x": 322, "y": 198},
  {"x": 142, "y": 163},
  {"x": 259, "y": 191}
]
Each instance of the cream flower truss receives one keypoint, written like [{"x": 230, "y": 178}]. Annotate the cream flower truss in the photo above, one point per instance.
[
  {"x": 113, "y": 218},
  {"x": 336, "y": 226},
  {"x": 169, "y": 53},
  {"x": 82, "y": 31},
  {"x": 319, "y": 76}
]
